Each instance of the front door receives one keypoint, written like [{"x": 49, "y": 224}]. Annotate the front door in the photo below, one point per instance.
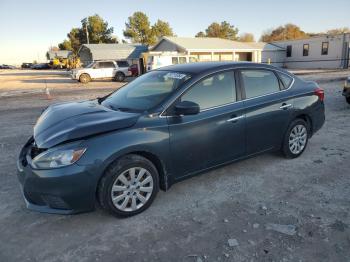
[
  {"x": 268, "y": 109},
  {"x": 109, "y": 69},
  {"x": 215, "y": 135},
  {"x": 97, "y": 71}
]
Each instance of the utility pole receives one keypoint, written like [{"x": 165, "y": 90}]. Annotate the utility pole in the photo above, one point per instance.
[{"x": 86, "y": 21}]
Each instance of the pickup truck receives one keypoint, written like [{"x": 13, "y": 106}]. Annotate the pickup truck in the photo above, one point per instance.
[
  {"x": 346, "y": 90},
  {"x": 106, "y": 69}
]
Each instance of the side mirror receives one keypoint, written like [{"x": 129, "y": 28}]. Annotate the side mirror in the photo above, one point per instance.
[{"x": 186, "y": 108}]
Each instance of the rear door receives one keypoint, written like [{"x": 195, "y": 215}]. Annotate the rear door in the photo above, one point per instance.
[
  {"x": 215, "y": 135},
  {"x": 268, "y": 109}
]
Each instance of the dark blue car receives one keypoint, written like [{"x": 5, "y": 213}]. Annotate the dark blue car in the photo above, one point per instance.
[{"x": 163, "y": 127}]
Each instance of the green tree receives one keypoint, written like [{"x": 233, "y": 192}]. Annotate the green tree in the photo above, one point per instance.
[
  {"x": 246, "y": 37},
  {"x": 161, "y": 28},
  {"x": 73, "y": 42},
  {"x": 286, "y": 32},
  {"x": 138, "y": 29},
  {"x": 223, "y": 30},
  {"x": 98, "y": 32},
  {"x": 338, "y": 31},
  {"x": 200, "y": 34}
]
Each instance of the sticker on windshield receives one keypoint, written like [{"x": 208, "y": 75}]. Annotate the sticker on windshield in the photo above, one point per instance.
[{"x": 175, "y": 75}]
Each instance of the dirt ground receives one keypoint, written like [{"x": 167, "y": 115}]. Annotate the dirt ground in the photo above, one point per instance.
[{"x": 265, "y": 208}]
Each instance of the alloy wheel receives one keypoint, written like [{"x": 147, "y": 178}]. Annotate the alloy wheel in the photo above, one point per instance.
[
  {"x": 297, "y": 139},
  {"x": 132, "y": 189}
]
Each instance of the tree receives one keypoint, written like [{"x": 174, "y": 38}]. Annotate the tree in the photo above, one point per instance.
[
  {"x": 138, "y": 29},
  {"x": 73, "y": 42},
  {"x": 223, "y": 30},
  {"x": 246, "y": 37},
  {"x": 98, "y": 32},
  {"x": 286, "y": 32},
  {"x": 200, "y": 34},
  {"x": 161, "y": 28},
  {"x": 338, "y": 31}
]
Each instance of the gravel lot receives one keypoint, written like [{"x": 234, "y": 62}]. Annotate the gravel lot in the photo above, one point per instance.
[{"x": 262, "y": 209}]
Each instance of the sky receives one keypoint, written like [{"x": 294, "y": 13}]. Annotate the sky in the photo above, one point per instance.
[{"x": 29, "y": 27}]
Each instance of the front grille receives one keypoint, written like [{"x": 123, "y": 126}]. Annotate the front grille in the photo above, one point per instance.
[{"x": 54, "y": 202}]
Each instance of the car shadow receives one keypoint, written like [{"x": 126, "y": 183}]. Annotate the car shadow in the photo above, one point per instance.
[
  {"x": 68, "y": 81},
  {"x": 34, "y": 73},
  {"x": 50, "y": 81}
]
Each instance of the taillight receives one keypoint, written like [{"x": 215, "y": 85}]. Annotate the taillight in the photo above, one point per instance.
[{"x": 320, "y": 93}]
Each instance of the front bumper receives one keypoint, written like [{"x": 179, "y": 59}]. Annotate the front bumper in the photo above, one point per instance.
[
  {"x": 73, "y": 76},
  {"x": 346, "y": 91},
  {"x": 65, "y": 190}
]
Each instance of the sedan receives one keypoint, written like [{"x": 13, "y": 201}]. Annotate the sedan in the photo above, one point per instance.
[{"x": 167, "y": 125}]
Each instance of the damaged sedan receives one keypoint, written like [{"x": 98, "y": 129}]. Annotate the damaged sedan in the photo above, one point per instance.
[{"x": 165, "y": 126}]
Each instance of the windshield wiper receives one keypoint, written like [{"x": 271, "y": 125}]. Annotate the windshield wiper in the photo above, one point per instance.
[{"x": 122, "y": 109}]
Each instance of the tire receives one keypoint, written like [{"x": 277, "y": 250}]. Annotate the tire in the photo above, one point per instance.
[
  {"x": 293, "y": 148},
  {"x": 114, "y": 192},
  {"x": 348, "y": 99},
  {"x": 119, "y": 77},
  {"x": 84, "y": 78}
]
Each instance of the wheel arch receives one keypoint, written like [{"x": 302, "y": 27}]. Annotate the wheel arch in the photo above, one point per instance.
[
  {"x": 308, "y": 120},
  {"x": 154, "y": 159},
  {"x": 121, "y": 72},
  {"x": 84, "y": 73}
]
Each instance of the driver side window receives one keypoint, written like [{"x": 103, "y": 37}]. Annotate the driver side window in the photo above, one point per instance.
[
  {"x": 215, "y": 90},
  {"x": 97, "y": 65}
]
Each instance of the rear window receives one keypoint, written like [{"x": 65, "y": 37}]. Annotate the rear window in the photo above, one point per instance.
[
  {"x": 122, "y": 63},
  {"x": 286, "y": 80},
  {"x": 259, "y": 82},
  {"x": 105, "y": 65}
]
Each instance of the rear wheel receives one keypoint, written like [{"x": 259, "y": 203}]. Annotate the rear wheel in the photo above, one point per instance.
[
  {"x": 296, "y": 139},
  {"x": 128, "y": 186},
  {"x": 84, "y": 78},
  {"x": 119, "y": 77},
  {"x": 348, "y": 99}
]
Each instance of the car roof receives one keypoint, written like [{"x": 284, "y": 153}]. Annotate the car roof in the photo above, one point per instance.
[{"x": 200, "y": 67}]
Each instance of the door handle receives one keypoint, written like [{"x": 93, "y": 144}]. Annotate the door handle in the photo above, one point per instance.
[
  {"x": 285, "y": 106},
  {"x": 235, "y": 119}
]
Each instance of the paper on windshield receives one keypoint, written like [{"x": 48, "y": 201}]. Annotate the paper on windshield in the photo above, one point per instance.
[{"x": 175, "y": 75}]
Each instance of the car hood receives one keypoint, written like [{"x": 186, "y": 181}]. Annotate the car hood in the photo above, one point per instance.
[{"x": 75, "y": 120}]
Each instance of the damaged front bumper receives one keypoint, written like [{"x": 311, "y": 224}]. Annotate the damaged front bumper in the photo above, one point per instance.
[{"x": 65, "y": 190}]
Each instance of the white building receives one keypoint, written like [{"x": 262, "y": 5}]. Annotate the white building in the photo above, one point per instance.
[
  {"x": 216, "y": 49},
  {"x": 324, "y": 51}
]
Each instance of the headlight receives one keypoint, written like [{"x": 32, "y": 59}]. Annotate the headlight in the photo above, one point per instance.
[{"x": 58, "y": 158}]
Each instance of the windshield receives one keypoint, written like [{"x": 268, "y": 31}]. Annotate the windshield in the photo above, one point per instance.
[
  {"x": 146, "y": 91},
  {"x": 90, "y": 65}
]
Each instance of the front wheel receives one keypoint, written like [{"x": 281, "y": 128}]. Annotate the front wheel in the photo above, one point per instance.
[
  {"x": 295, "y": 139},
  {"x": 84, "y": 78},
  {"x": 128, "y": 186},
  {"x": 348, "y": 99}
]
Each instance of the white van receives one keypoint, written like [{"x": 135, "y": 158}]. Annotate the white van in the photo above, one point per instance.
[{"x": 155, "y": 61}]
